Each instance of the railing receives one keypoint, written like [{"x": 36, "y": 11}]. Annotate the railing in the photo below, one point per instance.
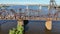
[{"x": 31, "y": 18}]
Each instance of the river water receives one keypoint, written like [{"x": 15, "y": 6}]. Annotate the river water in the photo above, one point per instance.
[
  {"x": 6, "y": 25},
  {"x": 38, "y": 27},
  {"x": 33, "y": 27}
]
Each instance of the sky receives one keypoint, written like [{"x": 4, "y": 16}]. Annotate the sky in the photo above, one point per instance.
[{"x": 27, "y": 2}]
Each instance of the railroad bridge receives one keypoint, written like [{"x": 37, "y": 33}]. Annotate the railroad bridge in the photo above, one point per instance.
[{"x": 31, "y": 14}]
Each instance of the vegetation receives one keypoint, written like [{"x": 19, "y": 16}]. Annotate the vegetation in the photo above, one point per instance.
[{"x": 18, "y": 30}]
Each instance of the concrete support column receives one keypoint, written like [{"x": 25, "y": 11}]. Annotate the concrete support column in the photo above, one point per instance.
[
  {"x": 20, "y": 22},
  {"x": 48, "y": 24}
]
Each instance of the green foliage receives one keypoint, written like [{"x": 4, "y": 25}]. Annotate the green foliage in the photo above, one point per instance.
[{"x": 18, "y": 30}]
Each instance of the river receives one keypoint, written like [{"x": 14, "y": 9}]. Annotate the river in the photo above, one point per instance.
[{"x": 38, "y": 27}]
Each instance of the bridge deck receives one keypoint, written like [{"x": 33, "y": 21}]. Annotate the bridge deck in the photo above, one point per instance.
[
  {"x": 40, "y": 18},
  {"x": 33, "y": 18}
]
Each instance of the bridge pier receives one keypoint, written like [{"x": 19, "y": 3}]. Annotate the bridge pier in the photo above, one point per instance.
[
  {"x": 20, "y": 22},
  {"x": 48, "y": 24},
  {"x": 23, "y": 23}
]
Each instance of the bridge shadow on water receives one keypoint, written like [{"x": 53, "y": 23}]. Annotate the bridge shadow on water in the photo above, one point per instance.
[{"x": 38, "y": 27}]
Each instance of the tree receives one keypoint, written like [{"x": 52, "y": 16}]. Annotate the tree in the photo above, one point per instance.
[{"x": 18, "y": 30}]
